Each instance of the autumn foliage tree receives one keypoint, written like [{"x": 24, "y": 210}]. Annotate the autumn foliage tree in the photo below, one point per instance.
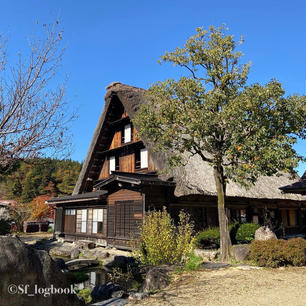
[
  {"x": 40, "y": 210},
  {"x": 243, "y": 131}
]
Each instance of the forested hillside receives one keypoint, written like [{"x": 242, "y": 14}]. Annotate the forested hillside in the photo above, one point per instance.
[{"x": 31, "y": 178}]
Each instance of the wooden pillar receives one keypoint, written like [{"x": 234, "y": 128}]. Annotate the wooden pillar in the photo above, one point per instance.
[{"x": 59, "y": 220}]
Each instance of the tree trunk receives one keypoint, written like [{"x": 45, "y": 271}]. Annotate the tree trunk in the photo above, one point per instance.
[{"x": 225, "y": 240}]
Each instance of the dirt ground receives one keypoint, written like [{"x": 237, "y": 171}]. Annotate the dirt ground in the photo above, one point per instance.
[{"x": 234, "y": 287}]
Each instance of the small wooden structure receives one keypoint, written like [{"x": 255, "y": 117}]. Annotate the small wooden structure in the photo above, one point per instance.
[{"x": 120, "y": 181}]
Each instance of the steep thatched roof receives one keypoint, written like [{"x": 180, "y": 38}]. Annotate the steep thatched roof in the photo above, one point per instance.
[
  {"x": 297, "y": 187},
  {"x": 196, "y": 177}
]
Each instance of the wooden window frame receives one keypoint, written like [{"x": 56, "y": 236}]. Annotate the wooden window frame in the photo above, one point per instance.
[{"x": 97, "y": 221}]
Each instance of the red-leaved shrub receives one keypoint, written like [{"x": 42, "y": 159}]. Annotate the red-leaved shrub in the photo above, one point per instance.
[{"x": 275, "y": 253}]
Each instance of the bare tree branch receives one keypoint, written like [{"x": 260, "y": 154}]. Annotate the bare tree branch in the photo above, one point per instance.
[{"x": 34, "y": 117}]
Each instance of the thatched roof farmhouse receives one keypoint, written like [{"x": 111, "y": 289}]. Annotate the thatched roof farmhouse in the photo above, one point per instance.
[{"x": 121, "y": 179}]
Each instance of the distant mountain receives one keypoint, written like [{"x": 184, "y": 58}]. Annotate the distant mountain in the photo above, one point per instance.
[{"x": 27, "y": 179}]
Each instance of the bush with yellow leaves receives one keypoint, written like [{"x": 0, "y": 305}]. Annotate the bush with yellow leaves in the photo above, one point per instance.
[{"x": 161, "y": 242}]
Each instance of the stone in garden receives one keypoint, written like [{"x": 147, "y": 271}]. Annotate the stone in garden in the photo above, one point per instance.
[
  {"x": 264, "y": 233},
  {"x": 207, "y": 255},
  {"x": 5, "y": 211},
  {"x": 60, "y": 263},
  {"x": 111, "y": 302},
  {"x": 22, "y": 265},
  {"x": 84, "y": 244},
  {"x": 63, "y": 250},
  {"x": 75, "y": 253},
  {"x": 106, "y": 291},
  {"x": 137, "y": 296},
  {"x": 240, "y": 252},
  {"x": 156, "y": 278}
]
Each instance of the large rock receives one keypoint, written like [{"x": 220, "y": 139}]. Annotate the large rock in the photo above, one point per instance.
[
  {"x": 22, "y": 269},
  {"x": 5, "y": 212},
  {"x": 157, "y": 278},
  {"x": 240, "y": 252},
  {"x": 84, "y": 244},
  {"x": 75, "y": 253},
  {"x": 63, "y": 250},
  {"x": 97, "y": 253},
  {"x": 207, "y": 255},
  {"x": 264, "y": 233},
  {"x": 60, "y": 262},
  {"x": 106, "y": 291}
]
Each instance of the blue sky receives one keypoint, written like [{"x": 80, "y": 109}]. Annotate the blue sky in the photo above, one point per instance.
[{"x": 122, "y": 40}]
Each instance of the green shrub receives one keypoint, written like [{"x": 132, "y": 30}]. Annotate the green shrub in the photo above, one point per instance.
[
  {"x": 5, "y": 227},
  {"x": 246, "y": 232},
  {"x": 50, "y": 229},
  {"x": 275, "y": 253},
  {"x": 193, "y": 262},
  {"x": 210, "y": 238},
  {"x": 161, "y": 242},
  {"x": 85, "y": 293},
  {"x": 184, "y": 237}
]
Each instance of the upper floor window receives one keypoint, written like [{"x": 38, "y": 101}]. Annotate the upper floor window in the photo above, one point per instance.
[
  {"x": 127, "y": 133},
  {"x": 141, "y": 159},
  {"x": 113, "y": 163}
]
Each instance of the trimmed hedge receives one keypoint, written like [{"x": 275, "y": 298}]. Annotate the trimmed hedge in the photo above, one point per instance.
[
  {"x": 275, "y": 253},
  {"x": 240, "y": 233},
  {"x": 210, "y": 238},
  {"x": 246, "y": 232}
]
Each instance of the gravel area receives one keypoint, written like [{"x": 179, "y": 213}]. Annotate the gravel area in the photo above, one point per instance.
[
  {"x": 234, "y": 287},
  {"x": 31, "y": 238}
]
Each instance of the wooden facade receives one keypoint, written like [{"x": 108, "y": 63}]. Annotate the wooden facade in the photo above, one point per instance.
[{"x": 119, "y": 182}]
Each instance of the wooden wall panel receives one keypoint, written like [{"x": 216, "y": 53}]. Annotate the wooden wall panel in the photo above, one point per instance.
[
  {"x": 127, "y": 163},
  {"x": 121, "y": 226},
  {"x": 116, "y": 142},
  {"x": 111, "y": 220},
  {"x": 123, "y": 195},
  {"x": 59, "y": 220},
  {"x": 284, "y": 217},
  {"x": 105, "y": 170},
  {"x": 69, "y": 224},
  {"x": 128, "y": 218}
]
